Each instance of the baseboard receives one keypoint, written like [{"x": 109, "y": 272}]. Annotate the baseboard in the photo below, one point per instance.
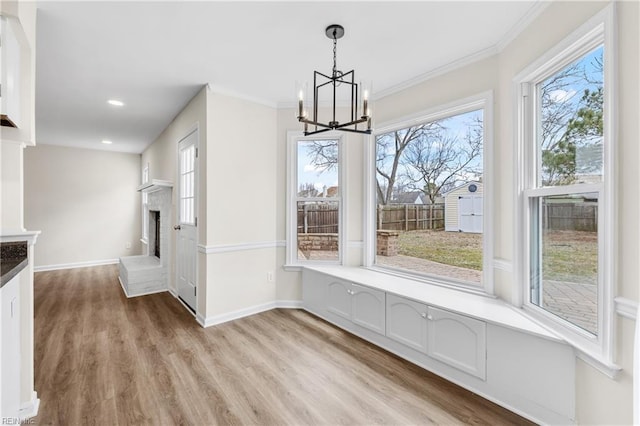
[
  {"x": 29, "y": 409},
  {"x": 86, "y": 264},
  {"x": 252, "y": 310}
]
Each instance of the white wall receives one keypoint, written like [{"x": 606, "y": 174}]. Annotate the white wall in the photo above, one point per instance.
[
  {"x": 161, "y": 157},
  {"x": 85, "y": 203}
]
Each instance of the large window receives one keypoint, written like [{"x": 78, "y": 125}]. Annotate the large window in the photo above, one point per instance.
[
  {"x": 566, "y": 190},
  {"x": 315, "y": 200},
  {"x": 431, "y": 194}
]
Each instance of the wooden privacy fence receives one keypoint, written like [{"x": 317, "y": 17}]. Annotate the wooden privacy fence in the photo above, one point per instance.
[
  {"x": 411, "y": 217},
  {"x": 318, "y": 218},
  {"x": 570, "y": 217},
  {"x": 323, "y": 218}
]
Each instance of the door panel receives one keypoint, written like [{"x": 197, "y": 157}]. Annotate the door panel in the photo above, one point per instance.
[
  {"x": 186, "y": 252},
  {"x": 470, "y": 213}
]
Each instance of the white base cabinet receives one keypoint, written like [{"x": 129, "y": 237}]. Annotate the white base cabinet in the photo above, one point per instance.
[
  {"x": 456, "y": 340},
  {"x": 500, "y": 356}
]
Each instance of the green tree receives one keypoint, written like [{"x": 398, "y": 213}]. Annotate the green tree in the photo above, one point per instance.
[{"x": 583, "y": 130}]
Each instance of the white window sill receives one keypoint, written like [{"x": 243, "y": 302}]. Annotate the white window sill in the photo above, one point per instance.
[
  {"x": 432, "y": 280},
  {"x": 298, "y": 267}
]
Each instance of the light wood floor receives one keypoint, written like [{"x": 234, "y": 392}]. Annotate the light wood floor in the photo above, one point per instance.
[{"x": 107, "y": 360}]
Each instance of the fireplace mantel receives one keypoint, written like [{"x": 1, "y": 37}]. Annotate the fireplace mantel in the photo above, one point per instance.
[{"x": 155, "y": 185}]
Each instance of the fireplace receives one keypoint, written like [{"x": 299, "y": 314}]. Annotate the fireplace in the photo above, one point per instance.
[
  {"x": 149, "y": 272},
  {"x": 154, "y": 233}
]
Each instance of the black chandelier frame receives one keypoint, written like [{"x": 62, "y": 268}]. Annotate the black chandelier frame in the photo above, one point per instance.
[{"x": 320, "y": 81}]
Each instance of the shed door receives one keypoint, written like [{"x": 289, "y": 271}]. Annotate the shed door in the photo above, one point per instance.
[{"x": 470, "y": 213}]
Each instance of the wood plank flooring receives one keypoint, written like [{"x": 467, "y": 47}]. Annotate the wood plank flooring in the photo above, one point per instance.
[{"x": 104, "y": 359}]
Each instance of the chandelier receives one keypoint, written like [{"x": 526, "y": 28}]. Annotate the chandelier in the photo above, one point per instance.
[{"x": 331, "y": 83}]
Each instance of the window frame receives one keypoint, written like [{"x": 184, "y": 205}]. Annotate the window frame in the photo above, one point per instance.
[
  {"x": 292, "y": 263},
  {"x": 597, "y": 31},
  {"x": 483, "y": 101}
]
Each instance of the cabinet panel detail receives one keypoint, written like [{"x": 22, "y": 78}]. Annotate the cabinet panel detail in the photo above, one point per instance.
[
  {"x": 339, "y": 298},
  {"x": 457, "y": 340},
  {"x": 368, "y": 308},
  {"x": 406, "y": 322}
]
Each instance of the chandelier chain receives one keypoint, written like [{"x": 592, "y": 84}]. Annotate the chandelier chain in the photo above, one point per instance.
[{"x": 335, "y": 44}]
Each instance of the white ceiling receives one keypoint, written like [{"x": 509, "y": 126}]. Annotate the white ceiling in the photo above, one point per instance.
[{"x": 155, "y": 56}]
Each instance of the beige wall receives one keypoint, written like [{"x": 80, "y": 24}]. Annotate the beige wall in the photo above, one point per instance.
[
  {"x": 242, "y": 203},
  {"x": 11, "y": 187},
  {"x": 85, "y": 203}
]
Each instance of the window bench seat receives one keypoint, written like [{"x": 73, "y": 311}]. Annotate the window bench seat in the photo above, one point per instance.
[
  {"x": 484, "y": 308},
  {"x": 478, "y": 342}
]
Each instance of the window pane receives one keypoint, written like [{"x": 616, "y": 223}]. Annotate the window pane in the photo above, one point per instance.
[
  {"x": 570, "y": 123},
  {"x": 565, "y": 258},
  {"x": 317, "y": 230},
  {"x": 430, "y": 198},
  {"x": 318, "y": 168}
]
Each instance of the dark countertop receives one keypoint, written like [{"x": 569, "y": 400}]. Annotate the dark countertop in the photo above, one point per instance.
[{"x": 13, "y": 259}]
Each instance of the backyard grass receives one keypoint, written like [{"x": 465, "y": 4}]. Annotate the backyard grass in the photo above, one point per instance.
[
  {"x": 570, "y": 256},
  {"x": 567, "y": 255},
  {"x": 450, "y": 248}
]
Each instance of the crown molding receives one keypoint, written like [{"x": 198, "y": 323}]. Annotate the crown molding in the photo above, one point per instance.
[
  {"x": 219, "y": 90},
  {"x": 524, "y": 22}
]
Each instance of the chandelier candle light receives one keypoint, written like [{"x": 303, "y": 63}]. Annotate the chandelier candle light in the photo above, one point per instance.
[{"x": 337, "y": 78}]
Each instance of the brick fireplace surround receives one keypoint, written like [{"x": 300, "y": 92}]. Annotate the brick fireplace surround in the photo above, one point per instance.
[{"x": 147, "y": 274}]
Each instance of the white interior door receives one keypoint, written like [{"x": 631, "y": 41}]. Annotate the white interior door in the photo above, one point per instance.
[
  {"x": 470, "y": 213},
  {"x": 187, "y": 237}
]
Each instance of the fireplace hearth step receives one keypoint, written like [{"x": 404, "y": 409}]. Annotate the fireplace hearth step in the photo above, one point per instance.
[{"x": 140, "y": 275}]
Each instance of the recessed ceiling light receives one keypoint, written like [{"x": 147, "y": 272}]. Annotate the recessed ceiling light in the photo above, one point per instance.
[
  {"x": 106, "y": 142},
  {"x": 115, "y": 102}
]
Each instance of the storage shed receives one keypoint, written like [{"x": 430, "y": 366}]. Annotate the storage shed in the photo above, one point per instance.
[{"x": 463, "y": 208}]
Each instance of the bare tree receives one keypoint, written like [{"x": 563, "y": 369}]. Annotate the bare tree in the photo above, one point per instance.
[
  {"x": 324, "y": 154},
  {"x": 389, "y": 153},
  {"x": 307, "y": 190},
  {"x": 437, "y": 162}
]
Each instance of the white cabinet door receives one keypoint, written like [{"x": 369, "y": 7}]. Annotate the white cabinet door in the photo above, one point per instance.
[
  {"x": 361, "y": 305},
  {"x": 339, "y": 298},
  {"x": 10, "y": 349},
  {"x": 406, "y": 322},
  {"x": 457, "y": 340},
  {"x": 367, "y": 308}
]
